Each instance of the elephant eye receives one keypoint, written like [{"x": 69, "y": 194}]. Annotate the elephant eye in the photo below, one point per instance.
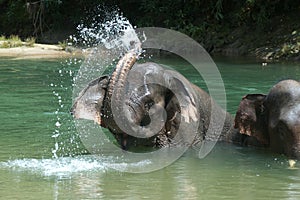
[{"x": 149, "y": 104}]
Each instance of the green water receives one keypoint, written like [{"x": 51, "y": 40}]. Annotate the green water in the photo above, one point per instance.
[{"x": 35, "y": 96}]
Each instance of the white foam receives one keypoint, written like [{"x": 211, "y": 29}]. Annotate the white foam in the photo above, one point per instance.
[
  {"x": 55, "y": 167},
  {"x": 68, "y": 166}
]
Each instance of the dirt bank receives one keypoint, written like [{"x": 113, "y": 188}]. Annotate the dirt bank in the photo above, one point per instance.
[
  {"x": 37, "y": 51},
  {"x": 278, "y": 41}
]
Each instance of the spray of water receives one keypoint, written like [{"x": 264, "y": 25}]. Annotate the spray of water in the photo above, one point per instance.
[
  {"x": 103, "y": 42},
  {"x": 114, "y": 33},
  {"x": 66, "y": 143},
  {"x": 107, "y": 39}
]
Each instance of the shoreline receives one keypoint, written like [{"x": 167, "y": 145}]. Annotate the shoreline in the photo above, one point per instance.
[
  {"x": 52, "y": 51},
  {"x": 38, "y": 51}
]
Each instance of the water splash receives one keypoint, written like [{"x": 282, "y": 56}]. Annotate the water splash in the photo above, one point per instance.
[
  {"x": 65, "y": 167},
  {"x": 66, "y": 143},
  {"x": 102, "y": 42},
  {"x": 114, "y": 33},
  {"x": 55, "y": 167}
]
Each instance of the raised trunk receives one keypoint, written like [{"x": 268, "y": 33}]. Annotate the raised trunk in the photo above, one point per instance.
[{"x": 115, "y": 86}]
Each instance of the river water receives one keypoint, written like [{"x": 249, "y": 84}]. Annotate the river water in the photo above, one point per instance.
[{"x": 41, "y": 156}]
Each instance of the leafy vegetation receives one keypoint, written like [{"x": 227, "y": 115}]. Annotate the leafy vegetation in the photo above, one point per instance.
[
  {"x": 12, "y": 41},
  {"x": 30, "y": 41},
  {"x": 289, "y": 48},
  {"x": 34, "y": 17},
  {"x": 213, "y": 23},
  {"x": 15, "y": 41},
  {"x": 63, "y": 44}
]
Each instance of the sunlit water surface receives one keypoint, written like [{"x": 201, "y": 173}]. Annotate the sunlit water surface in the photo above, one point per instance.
[{"x": 41, "y": 156}]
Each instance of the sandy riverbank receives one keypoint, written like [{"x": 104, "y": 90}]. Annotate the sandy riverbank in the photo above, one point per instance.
[{"x": 37, "y": 51}]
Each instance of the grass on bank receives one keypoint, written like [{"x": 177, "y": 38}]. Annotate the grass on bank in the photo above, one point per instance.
[{"x": 15, "y": 41}]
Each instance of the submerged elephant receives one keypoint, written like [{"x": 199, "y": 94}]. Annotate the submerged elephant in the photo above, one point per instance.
[
  {"x": 145, "y": 97},
  {"x": 273, "y": 120}
]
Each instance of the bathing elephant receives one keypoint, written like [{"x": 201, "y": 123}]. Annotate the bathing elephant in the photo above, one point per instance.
[
  {"x": 272, "y": 120},
  {"x": 137, "y": 98}
]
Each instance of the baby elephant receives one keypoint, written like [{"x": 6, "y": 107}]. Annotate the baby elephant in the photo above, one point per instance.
[{"x": 272, "y": 120}]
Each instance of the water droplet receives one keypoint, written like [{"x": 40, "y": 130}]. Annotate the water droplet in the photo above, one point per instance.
[
  {"x": 55, "y": 135},
  {"x": 57, "y": 124}
]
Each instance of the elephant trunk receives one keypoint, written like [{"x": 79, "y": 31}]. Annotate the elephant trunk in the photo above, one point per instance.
[
  {"x": 120, "y": 73},
  {"x": 124, "y": 119},
  {"x": 114, "y": 89}
]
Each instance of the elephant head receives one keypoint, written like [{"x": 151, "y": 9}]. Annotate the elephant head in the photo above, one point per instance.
[
  {"x": 273, "y": 119},
  {"x": 283, "y": 103},
  {"x": 138, "y": 102}
]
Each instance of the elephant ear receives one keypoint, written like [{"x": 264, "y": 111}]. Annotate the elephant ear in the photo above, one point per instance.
[
  {"x": 89, "y": 101},
  {"x": 181, "y": 107},
  {"x": 185, "y": 101},
  {"x": 250, "y": 117}
]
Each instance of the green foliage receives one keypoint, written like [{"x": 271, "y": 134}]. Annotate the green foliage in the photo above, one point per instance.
[
  {"x": 15, "y": 41},
  {"x": 14, "y": 38},
  {"x": 194, "y": 17},
  {"x": 12, "y": 41},
  {"x": 291, "y": 47},
  {"x": 13, "y": 17},
  {"x": 4, "y": 44},
  {"x": 217, "y": 9},
  {"x": 2, "y": 38},
  {"x": 287, "y": 48},
  {"x": 63, "y": 44},
  {"x": 30, "y": 41},
  {"x": 259, "y": 12}
]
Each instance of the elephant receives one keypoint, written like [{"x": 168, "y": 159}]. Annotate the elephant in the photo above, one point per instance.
[
  {"x": 272, "y": 120},
  {"x": 141, "y": 96}
]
